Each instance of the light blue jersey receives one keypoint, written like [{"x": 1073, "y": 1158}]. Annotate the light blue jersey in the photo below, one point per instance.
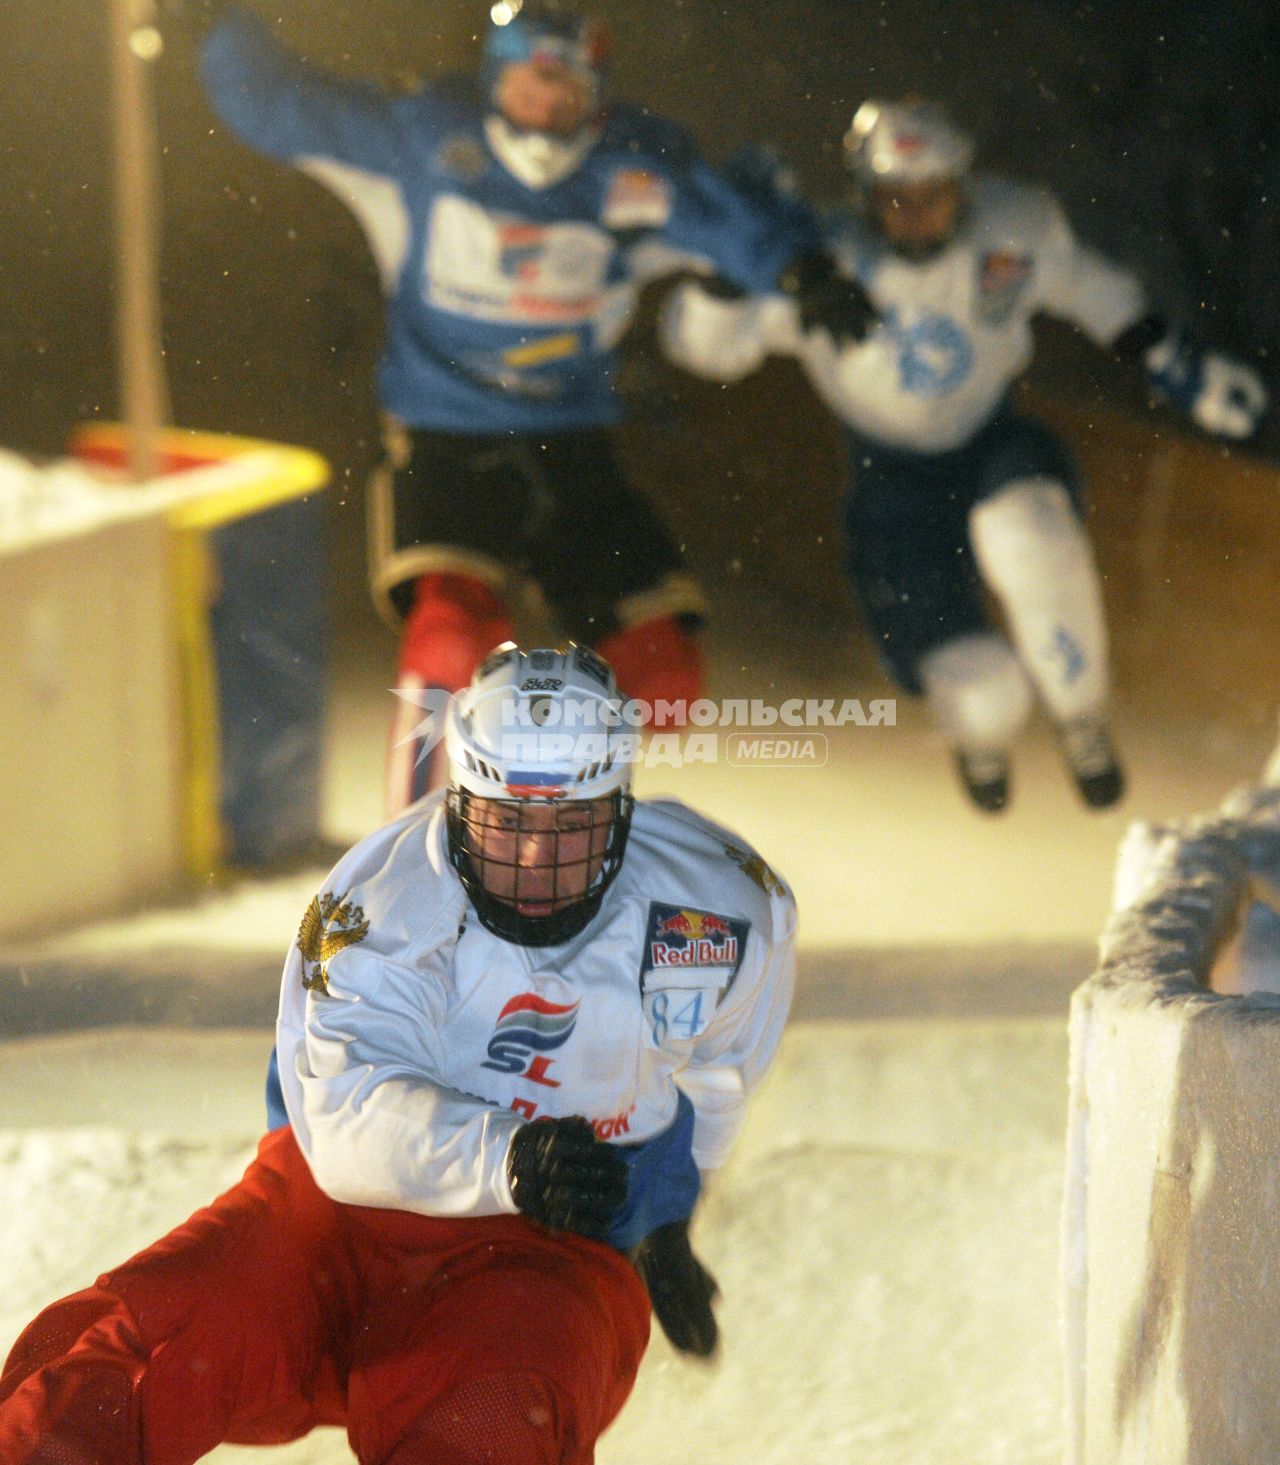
[{"x": 504, "y": 301}]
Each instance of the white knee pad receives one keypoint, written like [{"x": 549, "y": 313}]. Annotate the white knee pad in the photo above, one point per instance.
[
  {"x": 976, "y": 690},
  {"x": 1033, "y": 553}
]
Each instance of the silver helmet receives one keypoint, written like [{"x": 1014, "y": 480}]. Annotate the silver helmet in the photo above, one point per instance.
[
  {"x": 906, "y": 142},
  {"x": 539, "y": 803}
]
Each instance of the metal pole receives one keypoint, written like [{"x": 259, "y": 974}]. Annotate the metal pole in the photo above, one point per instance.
[
  {"x": 135, "y": 41},
  {"x": 1271, "y": 773}
]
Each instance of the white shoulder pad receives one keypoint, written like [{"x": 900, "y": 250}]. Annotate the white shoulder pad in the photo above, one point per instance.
[
  {"x": 1004, "y": 212},
  {"x": 1071, "y": 280},
  {"x": 715, "y": 866},
  {"x": 401, "y": 880}
]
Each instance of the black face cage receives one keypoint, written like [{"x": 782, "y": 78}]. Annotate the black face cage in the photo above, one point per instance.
[
  {"x": 858, "y": 197},
  {"x": 466, "y": 815}
]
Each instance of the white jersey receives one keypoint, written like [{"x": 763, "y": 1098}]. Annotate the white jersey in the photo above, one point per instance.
[
  {"x": 954, "y": 330},
  {"x": 413, "y": 1043}
]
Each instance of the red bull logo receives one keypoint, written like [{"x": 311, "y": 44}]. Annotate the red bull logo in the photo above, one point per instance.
[
  {"x": 694, "y": 925},
  {"x": 682, "y": 937}
]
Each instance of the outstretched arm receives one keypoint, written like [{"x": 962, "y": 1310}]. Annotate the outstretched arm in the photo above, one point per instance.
[
  {"x": 289, "y": 108},
  {"x": 764, "y": 239},
  {"x": 715, "y": 331},
  {"x": 1218, "y": 393}
]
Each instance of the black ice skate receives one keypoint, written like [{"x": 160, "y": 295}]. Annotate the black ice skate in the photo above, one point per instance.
[
  {"x": 985, "y": 775},
  {"x": 1090, "y": 756}
]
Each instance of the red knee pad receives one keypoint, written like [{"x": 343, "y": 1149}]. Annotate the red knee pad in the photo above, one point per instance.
[
  {"x": 655, "y": 661},
  {"x": 454, "y": 621},
  {"x": 70, "y": 1386},
  {"x": 514, "y": 1418}
]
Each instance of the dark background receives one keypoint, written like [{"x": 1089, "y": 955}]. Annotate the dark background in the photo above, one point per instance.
[{"x": 1157, "y": 124}]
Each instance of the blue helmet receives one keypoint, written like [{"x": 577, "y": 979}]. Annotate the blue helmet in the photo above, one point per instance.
[{"x": 526, "y": 30}]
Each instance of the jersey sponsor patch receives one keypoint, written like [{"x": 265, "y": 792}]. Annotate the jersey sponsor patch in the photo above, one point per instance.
[
  {"x": 559, "y": 347},
  {"x": 494, "y": 370},
  {"x": 678, "y": 939},
  {"x": 330, "y": 925},
  {"x": 691, "y": 958},
  {"x": 496, "y": 267},
  {"x": 636, "y": 199},
  {"x": 1003, "y": 276},
  {"x": 527, "y": 1029}
]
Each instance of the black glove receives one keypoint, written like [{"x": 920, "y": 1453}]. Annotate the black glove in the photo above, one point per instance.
[
  {"x": 566, "y": 1178},
  {"x": 827, "y": 300},
  {"x": 721, "y": 288},
  {"x": 680, "y": 1289}
]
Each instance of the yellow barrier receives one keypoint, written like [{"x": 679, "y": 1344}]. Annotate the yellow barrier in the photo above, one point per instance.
[{"x": 196, "y": 495}]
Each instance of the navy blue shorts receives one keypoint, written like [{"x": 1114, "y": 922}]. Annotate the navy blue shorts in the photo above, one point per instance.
[{"x": 906, "y": 524}]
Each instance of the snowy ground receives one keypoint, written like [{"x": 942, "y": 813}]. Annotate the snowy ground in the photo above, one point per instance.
[{"x": 886, "y": 1236}]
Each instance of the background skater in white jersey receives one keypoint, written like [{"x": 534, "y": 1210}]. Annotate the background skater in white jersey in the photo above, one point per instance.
[
  {"x": 516, "y": 1026},
  {"x": 953, "y": 491}
]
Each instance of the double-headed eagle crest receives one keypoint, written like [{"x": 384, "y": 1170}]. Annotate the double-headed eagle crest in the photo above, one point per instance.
[
  {"x": 331, "y": 924},
  {"x": 755, "y": 868}
]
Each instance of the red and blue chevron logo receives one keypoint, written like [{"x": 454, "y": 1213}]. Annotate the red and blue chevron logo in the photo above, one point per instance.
[{"x": 528, "y": 1028}]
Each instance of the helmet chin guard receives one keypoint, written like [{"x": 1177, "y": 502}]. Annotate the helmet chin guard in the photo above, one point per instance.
[{"x": 539, "y": 806}]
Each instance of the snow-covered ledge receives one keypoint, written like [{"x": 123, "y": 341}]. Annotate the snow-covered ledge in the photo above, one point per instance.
[{"x": 1171, "y": 1226}]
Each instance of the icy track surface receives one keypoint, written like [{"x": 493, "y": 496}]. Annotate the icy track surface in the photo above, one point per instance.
[{"x": 886, "y": 1236}]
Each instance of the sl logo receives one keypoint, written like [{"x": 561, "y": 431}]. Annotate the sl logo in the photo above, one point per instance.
[{"x": 528, "y": 1028}]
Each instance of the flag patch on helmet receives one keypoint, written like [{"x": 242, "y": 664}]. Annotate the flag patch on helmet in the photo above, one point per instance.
[{"x": 533, "y": 784}]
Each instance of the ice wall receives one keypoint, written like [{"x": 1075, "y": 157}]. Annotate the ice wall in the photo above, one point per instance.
[{"x": 1171, "y": 1248}]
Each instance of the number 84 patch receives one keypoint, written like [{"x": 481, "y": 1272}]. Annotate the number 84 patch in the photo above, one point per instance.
[
  {"x": 691, "y": 958},
  {"x": 678, "y": 1013}
]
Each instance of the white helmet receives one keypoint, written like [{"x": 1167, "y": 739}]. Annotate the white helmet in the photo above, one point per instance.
[
  {"x": 906, "y": 142},
  {"x": 538, "y": 729}
]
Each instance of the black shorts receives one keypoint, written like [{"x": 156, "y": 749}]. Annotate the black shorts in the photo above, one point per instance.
[
  {"x": 557, "y": 510},
  {"x": 906, "y": 528}
]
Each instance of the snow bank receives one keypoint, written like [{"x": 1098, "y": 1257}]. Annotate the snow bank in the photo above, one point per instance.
[
  {"x": 1171, "y": 1258},
  {"x": 885, "y": 1235}
]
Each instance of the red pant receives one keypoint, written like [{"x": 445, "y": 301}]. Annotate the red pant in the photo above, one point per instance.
[{"x": 276, "y": 1309}]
